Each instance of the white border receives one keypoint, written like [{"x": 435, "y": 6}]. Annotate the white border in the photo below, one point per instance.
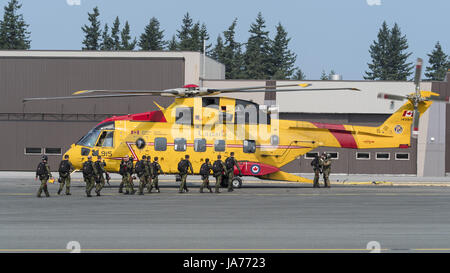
[
  {"x": 25, "y": 151},
  {"x": 45, "y": 152},
  {"x": 409, "y": 156},
  {"x": 356, "y": 155},
  {"x": 376, "y": 158}
]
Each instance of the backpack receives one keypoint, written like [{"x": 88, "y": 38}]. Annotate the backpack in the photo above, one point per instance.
[
  {"x": 218, "y": 167},
  {"x": 64, "y": 167},
  {"x": 229, "y": 162},
  {"x": 87, "y": 168},
  {"x": 41, "y": 170},
  {"x": 154, "y": 166},
  {"x": 139, "y": 167},
  {"x": 204, "y": 169},
  {"x": 98, "y": 167},
  {"x": 183, "y": 166}
]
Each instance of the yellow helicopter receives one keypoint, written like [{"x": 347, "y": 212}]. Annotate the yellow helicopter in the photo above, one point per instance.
[{"x": 204, "y": 125}]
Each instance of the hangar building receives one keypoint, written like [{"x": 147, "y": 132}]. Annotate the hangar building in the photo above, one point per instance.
[{"x": 32, "y": 129}]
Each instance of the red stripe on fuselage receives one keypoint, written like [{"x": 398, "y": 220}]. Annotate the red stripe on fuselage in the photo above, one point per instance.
[{"x": 344, "y": 137}]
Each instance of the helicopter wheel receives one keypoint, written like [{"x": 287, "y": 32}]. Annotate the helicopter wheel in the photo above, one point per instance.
[{"x": 237, "y": 182}]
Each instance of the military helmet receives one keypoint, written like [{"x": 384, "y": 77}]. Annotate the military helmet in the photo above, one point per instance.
[{"x": 44, "y": 157}]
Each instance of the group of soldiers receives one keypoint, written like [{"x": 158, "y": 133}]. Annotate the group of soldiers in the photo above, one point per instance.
[
  {"x": 321, "y": 165},
  {"x": 95, "y": 175}
]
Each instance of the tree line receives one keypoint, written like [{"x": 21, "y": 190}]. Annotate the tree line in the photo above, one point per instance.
[{"x": 260, "y": 57}]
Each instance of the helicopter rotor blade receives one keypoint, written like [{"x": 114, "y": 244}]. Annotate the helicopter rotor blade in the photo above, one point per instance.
[
  {"x": 237, "y": 89},
  {"x": 415, "y": 124},
  {"x": 290, "y": 90},
  {"x": 84, "y": 97},
  {"x": 418, "y": 75},
  {"x": 391, "y": 96}
]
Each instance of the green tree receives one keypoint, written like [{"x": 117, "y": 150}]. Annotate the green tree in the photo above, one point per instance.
[
  {"x": 92, "y": 32},
  {"x": 107, "y": 41},
  {"x": 218, "y": 51},
  {"x": 126, "y": 43},
  {"x": 13, "y": 29},
  {"x": 324, "y": 76},
  {"x": 232, "y": 55},
  {"x": 283, "y": 59},
  {"x": 389, "y": 59},
  {"x": 298, "y": 75},
  {"x": 439, "y": 64},
  {"x": 185, "y": 34},
  {"x": 115, "y": 34},
  {"x": 257, "y": 61},
  {"x": 153, "y": 37},
  {"x": 172, "y": 45},
  {"x": 204, "y": 37}
]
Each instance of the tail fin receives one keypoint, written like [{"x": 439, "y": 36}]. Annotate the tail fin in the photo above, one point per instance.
[{"x": 399, "y": 124}]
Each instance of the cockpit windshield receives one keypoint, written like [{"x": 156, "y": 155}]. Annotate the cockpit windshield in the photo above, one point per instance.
[{"x": 89, "y": 140}]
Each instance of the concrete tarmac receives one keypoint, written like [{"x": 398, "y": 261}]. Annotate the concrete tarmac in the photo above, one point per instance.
[{"x": 260, "y": 217}]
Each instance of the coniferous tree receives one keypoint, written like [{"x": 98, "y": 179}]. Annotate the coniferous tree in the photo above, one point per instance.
[
  {"x": 92, "y": 32},
  {"x": 204, "y": 38},
  {"x": 153, "y": 37},
  {"x": 257, "y": 60},
  {"x": 115, "y": 34},
  {"x": 324, "y": 76},
  {"x": 185, "y": 34},
  {"x": 13, "y": 29},
  {"x": 218, "y": 51},
  {"x": 388, "y": 56},
  {"x": 398, "y": 57},
  {"x": 107, "y": 41},
  {"x": 126, "y": 43},
  {"x": 172, "y": 44},
  {"x": 298, "y": 75},
  {"x": 194, "y": 36},
  {"x": 283, "y": 59},
  {"x": 439, "y": 64},
  {"x": 232, "y": 56}
]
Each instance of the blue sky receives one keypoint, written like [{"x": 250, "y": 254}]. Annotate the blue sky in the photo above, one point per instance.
[{"x": 326, "y": 34}]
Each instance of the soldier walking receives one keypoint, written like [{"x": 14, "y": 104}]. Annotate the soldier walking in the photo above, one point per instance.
[
  {"x": 141, "y": 169},
  {"x": 218, "y": 170},
  {"x": 184, "y": 166},
  {"x": 89, "y": 174},
  {"x": 156, "y": 171},
  {"x": 100, "y": 179},
  {"x": 326, "y": 170},
  {"x": 205, "y": 171},
  {"x": 316, "y": 164},
  {"x": 126, "y": 170},
  {"x": 65, "y": 169},
  {"x": 230, "y": 162},
  {"x": 43, "y": 172},
  {"x": 148, "y": 172}
]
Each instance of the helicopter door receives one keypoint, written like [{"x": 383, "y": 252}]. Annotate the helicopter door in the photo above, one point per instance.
[{"x": 105, "y": 144}]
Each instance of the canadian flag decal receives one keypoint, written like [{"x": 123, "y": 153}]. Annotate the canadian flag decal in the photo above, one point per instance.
[{"x": 408, "y": 113}]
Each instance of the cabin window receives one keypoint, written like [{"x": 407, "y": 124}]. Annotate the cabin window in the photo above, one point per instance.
[
  {"x": 401, "y": 156},
  {"x": 91, "y": 137},
  {"x": 363, "y": 156},
  {"x": 106, "y": 139},
  {"x": 33, "y": 151},
  {"x": 311, "y": 155},
  {"x": 383, "y": 156},
  {"x": 53, "y": 151},
  {"x": 179, "y": 144},
  {"x": 184, "y": 115},
  {"x": 249, "y": 146},
  {"x": 333, "y": 155},
  {"x": 200, "y": 145},
  {"x": 160, "y": 144},
  {"x": 219, "y": 145}
]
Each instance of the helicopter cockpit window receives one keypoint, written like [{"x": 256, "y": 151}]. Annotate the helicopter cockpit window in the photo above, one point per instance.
[
  {"x": 179, "y": 144},
  {"x": 249, "y": 146},
  {"x": 91, "y": 137},
  {"x": 184, "y": 115},
  {"x": 106, "y": 139},
  {"x": 219, "y": 145}
]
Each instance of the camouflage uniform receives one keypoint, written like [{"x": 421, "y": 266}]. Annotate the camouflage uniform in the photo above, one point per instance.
[
  {"x": 219, "y": 174},
  {"x": 184, "y": 174},
  {"x": 100, "y": 181},
  {"x": 230, "y": 162},
  {"x": 148, "y": 173},
  {"x": 127, "y": 167},
  {"x": 156, "y": 170},
  {"x": 316, "y": 164},
  {"x": 142, "y": 175},
  {"x": 64, "y": 176},
  {"x": 89, "y": 177},
  {"x": 326, "y": 171},
  {"x": 43, "y": 177},
  {"x": 205, "y": 170}
]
